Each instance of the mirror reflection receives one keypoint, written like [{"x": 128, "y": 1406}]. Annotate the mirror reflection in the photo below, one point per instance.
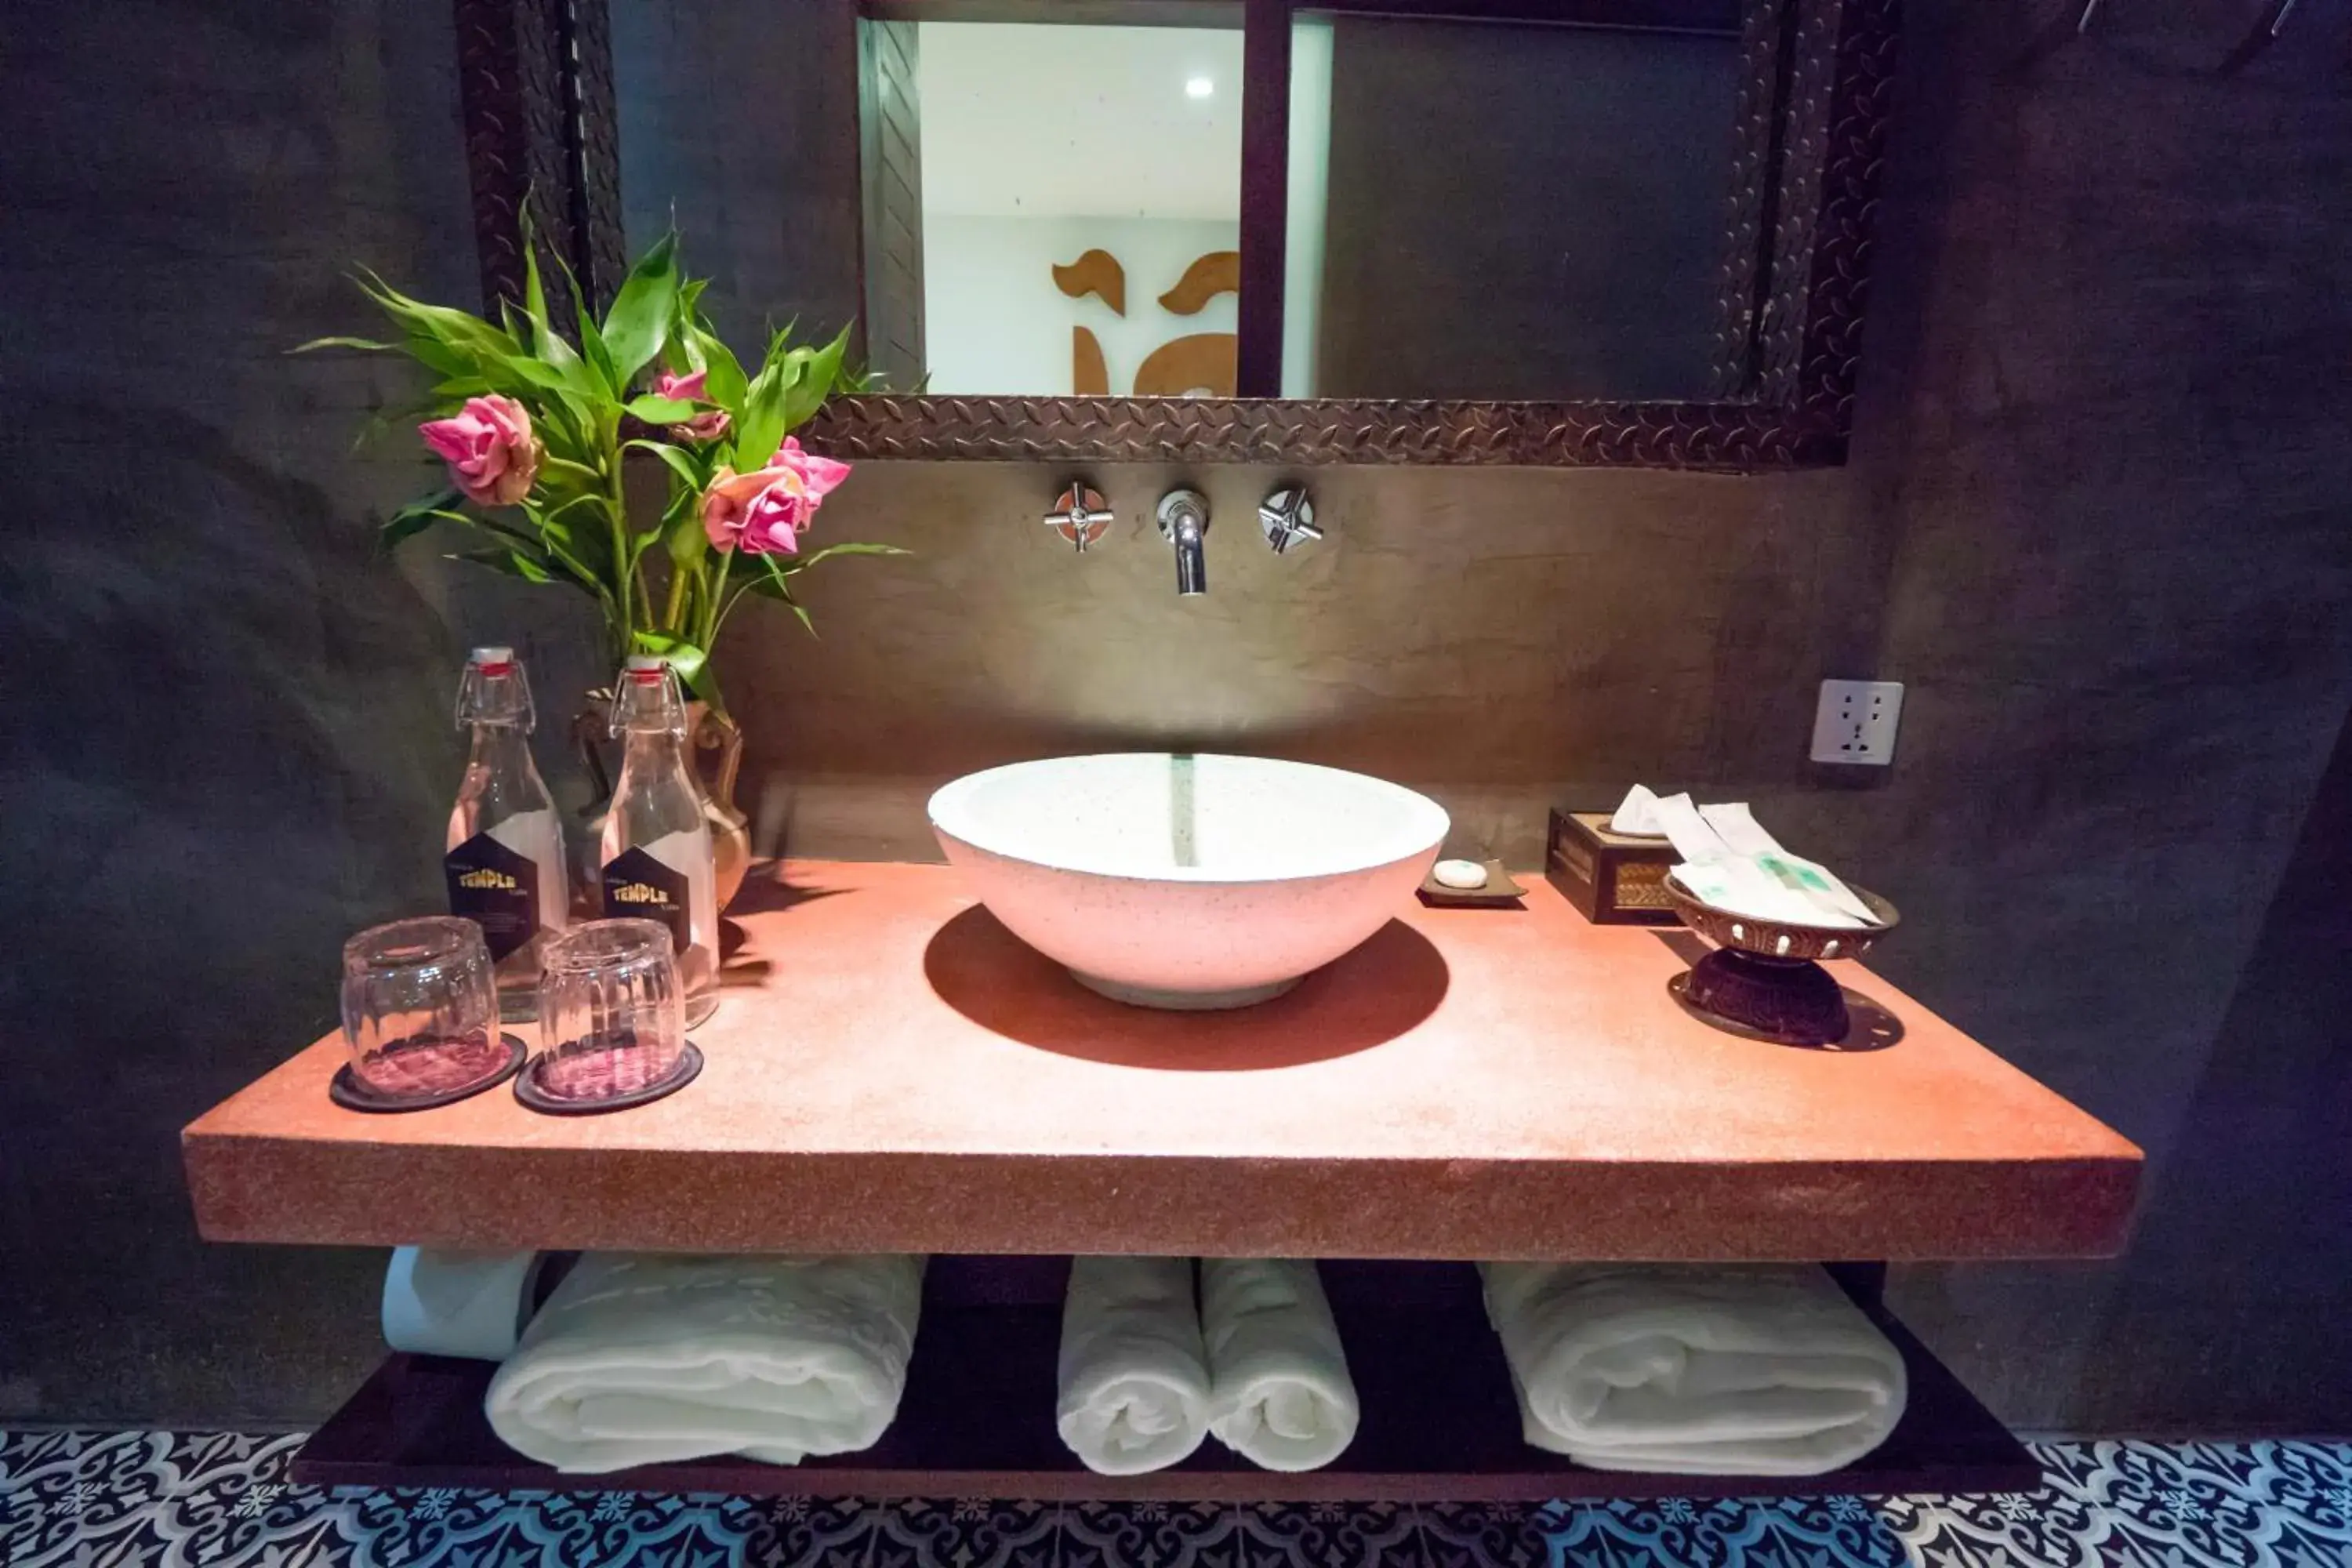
[
  {"x": 1079, "y": 209},
  {"x": 1505, "y": 210}
]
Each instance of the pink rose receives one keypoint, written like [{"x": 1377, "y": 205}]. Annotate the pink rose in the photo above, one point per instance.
[
  {"x": 764, "y": 511},
  {"x": 488, "y": 444},
  {"x": 708, "y": 426},
  {"x": 823, "y": 475}
]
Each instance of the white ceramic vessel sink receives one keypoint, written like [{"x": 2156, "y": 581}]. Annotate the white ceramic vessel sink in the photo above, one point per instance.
[{"x": 1188, "y": 880}]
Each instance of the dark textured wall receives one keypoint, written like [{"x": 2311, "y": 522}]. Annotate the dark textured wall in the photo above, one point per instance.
[
  {"x": 228, "y": 718},
  {"x": 2100, "y": 520}
]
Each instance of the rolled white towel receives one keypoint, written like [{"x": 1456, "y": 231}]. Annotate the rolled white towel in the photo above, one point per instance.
[
  {"x": 1134, "y": 1380},
  {"x": 1280, "y": 1392},
  {"x": 469, "y": 1304},
  {"x": 641, "y": 1359},
  {"x": 1737, "y": 1371}
]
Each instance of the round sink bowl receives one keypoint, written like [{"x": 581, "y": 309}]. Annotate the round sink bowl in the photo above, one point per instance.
[{"x": 1193, "y": 881}]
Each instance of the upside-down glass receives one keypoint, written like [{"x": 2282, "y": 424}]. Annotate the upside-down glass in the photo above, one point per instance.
[
  {"x": 611, "y": 1013},
  {"x": 421, "y": 1007}
]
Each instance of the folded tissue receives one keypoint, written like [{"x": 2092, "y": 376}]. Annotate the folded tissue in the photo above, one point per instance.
[{"x": 1729, "y": 862}]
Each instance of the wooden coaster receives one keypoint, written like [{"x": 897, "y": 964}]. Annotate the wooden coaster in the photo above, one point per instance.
[
  {"x": 353, "y": 1092},
  {"x": 527, "y": 1088},
  {"x": 1499, "y": 892}
]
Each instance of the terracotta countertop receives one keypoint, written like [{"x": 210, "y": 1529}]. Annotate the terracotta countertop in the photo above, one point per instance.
[{"x": 891, "y": 1070}]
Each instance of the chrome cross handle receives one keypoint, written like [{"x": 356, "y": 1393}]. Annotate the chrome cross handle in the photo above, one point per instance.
[
  {"x": 1287, "y": 518},
  {"x": 1080, "y": 515}
]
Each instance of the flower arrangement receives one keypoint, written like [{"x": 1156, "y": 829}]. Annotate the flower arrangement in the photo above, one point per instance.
[{"x": 534, "y": 427}]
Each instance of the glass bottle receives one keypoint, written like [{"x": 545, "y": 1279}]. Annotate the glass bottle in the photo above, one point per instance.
[
  {"x": 656, "y": 853},
  {"x": 503, "y": 855}
]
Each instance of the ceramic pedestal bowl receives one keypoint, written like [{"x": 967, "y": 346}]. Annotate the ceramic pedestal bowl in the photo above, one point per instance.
[
  {"x": 1763, "y": 980},
  {"x": 1188, "y": 881}
]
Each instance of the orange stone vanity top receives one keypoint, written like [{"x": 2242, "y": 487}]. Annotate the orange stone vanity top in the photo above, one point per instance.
[{"x": 893, "y": 1072}]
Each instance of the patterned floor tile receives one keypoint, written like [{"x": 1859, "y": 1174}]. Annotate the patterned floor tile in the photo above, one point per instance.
[
  {"x": 1485, "y": 1535},
  {"x": 135, "y": 1499},
  {"x": 1814, "y": 1533},
  {"x": 1329, "y": 1535},
  {"x": 810, "y": 1532},
  {"x": 966, "y": 1533},
  {"x": 2013, "y": 1530},
  {"x": 1150, "y": 1535}
]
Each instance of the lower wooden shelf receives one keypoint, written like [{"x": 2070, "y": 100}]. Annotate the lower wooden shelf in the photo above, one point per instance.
[{"x": 1440, "y": 1421}]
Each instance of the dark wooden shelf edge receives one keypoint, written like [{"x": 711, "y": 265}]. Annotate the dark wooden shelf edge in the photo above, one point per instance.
[{"x": 1440, "y": 1423}]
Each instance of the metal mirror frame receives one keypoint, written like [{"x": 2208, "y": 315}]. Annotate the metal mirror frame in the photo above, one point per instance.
[{"x": 536, "y": 89}]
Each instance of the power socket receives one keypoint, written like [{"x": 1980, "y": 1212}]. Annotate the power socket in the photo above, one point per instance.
[{"x": 1854, "y": 723}]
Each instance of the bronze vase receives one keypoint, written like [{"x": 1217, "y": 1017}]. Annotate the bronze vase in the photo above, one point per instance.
[{"x": 713, "y": 758}]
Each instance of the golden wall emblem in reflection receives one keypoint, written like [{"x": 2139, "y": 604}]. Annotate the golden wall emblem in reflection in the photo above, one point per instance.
[{"x": 1197, "y": 364}]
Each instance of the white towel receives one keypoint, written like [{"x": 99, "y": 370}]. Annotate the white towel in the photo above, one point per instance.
[
  {"x": 1734, "y": 1371},
  {"x": 1280, "y": 1392},
  {"x": 469, "y": 1304},
  {"x": 641, "y": 1359},
  {"x": 1134, "y": 1380}
]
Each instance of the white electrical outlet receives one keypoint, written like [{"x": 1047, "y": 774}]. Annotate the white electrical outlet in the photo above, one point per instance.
[{"x": 1854, "y": 721}]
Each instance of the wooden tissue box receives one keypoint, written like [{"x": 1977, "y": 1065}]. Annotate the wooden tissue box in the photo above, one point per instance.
[{"x": 1612, "y": 878}]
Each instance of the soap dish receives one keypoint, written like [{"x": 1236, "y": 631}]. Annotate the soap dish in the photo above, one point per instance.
[
  {"x": 1762, "y": 980},
  {"x": 1498, "y": 892}
]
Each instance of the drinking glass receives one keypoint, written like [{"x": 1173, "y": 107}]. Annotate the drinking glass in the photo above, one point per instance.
[
  {"x": 612, "y": 1014},
  {"x": 421, "y": 1007}
]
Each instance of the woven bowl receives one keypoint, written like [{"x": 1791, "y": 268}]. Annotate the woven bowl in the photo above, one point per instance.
[{"x": 1780, "y": 939}]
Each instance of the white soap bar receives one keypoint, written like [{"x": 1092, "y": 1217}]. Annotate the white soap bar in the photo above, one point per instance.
[{"x": 1460, "y": 875}]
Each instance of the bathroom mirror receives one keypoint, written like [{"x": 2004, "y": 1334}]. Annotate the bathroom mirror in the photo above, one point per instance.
[{"x": 1630, "y": 232}]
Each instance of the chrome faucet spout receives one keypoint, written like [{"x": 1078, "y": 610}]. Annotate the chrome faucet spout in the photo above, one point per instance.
[{"x": 1183, "y": 521}]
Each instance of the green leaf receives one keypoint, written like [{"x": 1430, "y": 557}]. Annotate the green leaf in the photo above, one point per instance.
[
  {"x": 727, "y": 384},
  {"x": 680, "y": 463},
  {"x": 368, "y": 344},
  {"x": 571, "y": 473},
  {"x": 534, "y": 287},
  {"x": 643, "y": 311},
  {"x": 686, "y": 540},
  {"x": 813, "y": 557},
  {"x": 691, "y": 663},
  {"x": 440, "y": 359},
  {"x": 762, "y": 427},
  {"x": 600, "y": 360},
  {"x": 656, "y": 410},
  {"x": 419, "y": 515},
  {"x": 513, "y": 561},
  {"x": 816, "y": 383},
  {"x": 458, "y": 332},
  {"x": 539, "y": 372}
]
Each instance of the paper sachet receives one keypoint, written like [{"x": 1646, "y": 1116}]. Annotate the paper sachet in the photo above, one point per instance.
[{"x": 1729, "y": 862}]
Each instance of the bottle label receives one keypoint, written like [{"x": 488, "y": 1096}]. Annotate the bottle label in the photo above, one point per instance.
[
  {"x": 638, "y": 887},
  {"x": 495, "y": 887}
]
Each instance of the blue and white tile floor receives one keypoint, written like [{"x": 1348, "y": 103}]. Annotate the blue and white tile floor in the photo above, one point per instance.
[{"x": 125, "y": 1500}]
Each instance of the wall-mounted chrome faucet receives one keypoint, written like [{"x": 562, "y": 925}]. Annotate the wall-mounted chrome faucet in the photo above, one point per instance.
[
  {"x": 1287, "y": 518},
  {"x": 1183, "y": 518},
  {"x": 1079, "y": 515}
]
